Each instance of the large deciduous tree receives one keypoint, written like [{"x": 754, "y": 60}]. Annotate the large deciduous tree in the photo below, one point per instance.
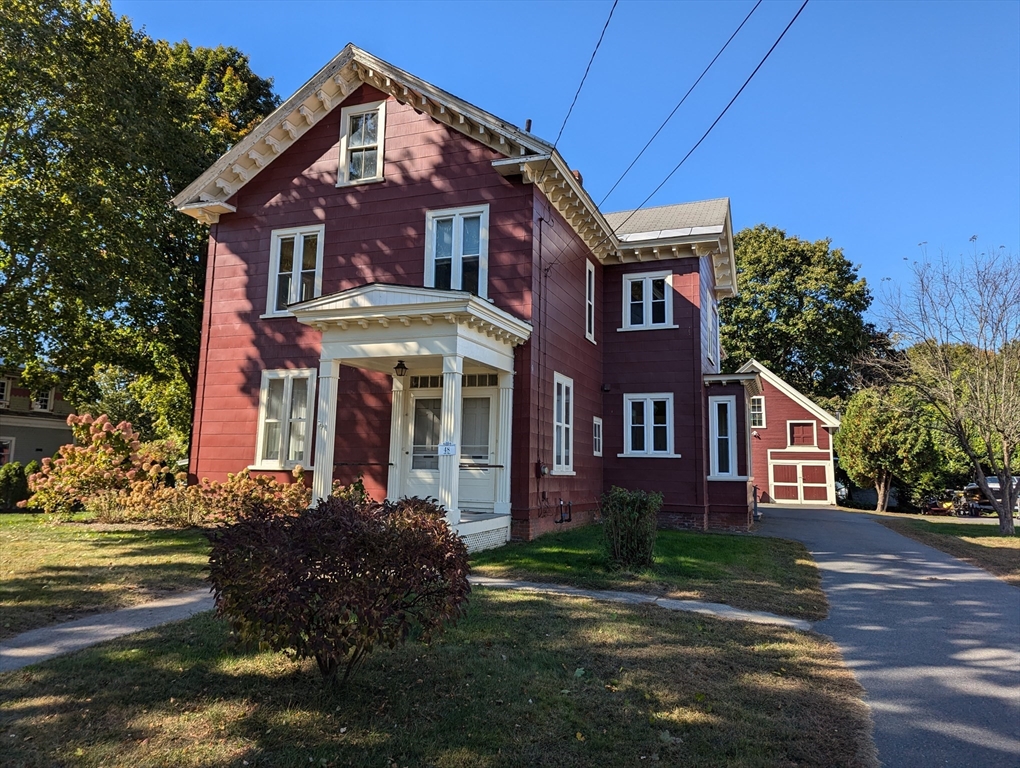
[
  {"x": 99, "y": 126},
  {"x": 879, "y": 440},
  {"x": 800, "y": 311},
  {"x": 959, "y": 325}
]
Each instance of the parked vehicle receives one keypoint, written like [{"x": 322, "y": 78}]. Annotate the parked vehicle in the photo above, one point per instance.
[
  {"x": 978, "y": 502},
  {"x": 948, "y": 503}
]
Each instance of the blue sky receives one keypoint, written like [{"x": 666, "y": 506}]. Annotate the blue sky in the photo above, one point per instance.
[{"x": 878, "y": 125}]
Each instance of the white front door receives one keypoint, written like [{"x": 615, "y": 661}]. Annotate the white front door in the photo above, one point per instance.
[{"x": 477, "y": 452}]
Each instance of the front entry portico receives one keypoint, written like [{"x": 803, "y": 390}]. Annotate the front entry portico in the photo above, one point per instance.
[{"x": 450, "y": 426}]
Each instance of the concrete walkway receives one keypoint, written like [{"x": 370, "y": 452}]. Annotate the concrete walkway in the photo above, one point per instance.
[
  {"x": 934, "y": 642},
  {"x": 40, "y": 644}
]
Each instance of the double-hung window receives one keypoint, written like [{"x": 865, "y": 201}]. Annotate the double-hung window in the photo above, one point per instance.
[
  {"x": 457, "y": 249},
  {"x": 563, "y": 424},
  {"x": 362, "y": 129},
  {"x": 6, "y": 450},
  {"x": 758, "y": 412},
  {"x": 286, "y": 404},
  {"x": 43, "y": 401},
  {"x": 295, "y": 267},
  {"x": 722, "y": 430},
  {"x": 648, "y": 300},
  {"x": 596, "y": 436},
  {"x": 589, "y": 301},
  {"x": 6, "y": 385},
  {"x": 648, "y": 425}
]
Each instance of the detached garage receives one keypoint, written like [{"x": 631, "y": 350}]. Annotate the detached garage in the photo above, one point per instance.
[{"x": 791, "y": 443}]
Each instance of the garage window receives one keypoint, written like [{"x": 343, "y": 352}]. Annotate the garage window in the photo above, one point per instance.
[{"x": 802, "y": 433}]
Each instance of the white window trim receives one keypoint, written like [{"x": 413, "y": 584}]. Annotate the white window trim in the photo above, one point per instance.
[
  {"x": 713, "y": 334},
  {"x": 750, "y": 414},
  {"x": 596, "y": 436},
  {"x": 456, "y": 272},
  {"x": 5, "y": 397},
  {"x": 647, "y": 277},
  {"x": 346, "y": 113},
  {"x": 568, "y": 468},
  {"x": 589, "y": 301},
  {"x": 288, "y": 374},
  {"x": 648, "y": 397},
  {"x": 274, "y": 265},
  {"x": 814, "y": 432},
  {"x": 713, "y": 436},
  {"x": 11, "y": 441},
  {"x": 34, "y": 406}
]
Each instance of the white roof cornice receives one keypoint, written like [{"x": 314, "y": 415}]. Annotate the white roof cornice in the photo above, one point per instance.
[
  {"x": 205, "y": 197},
  {"x": 826, "y": 418}
]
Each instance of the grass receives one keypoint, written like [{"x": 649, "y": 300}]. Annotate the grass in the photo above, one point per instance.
[
  {"x": 52, "y": 573},
  {"x": 747, "y": 572},
  {"x": 977, "y": 544},
  {"x": 524, "y": 680}
]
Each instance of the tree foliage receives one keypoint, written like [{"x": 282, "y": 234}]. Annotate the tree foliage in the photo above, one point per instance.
[
  {"x": 958, "y": 323},
  {"x": 800, "y": 311},
  {"x": 879, "y": 440},
  {"x": 99, "y": 127}
]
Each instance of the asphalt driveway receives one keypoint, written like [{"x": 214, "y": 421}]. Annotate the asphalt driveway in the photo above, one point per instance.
[{"x": 935, "y": 642}]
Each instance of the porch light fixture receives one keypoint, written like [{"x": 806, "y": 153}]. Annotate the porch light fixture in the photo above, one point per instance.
[{"x": 400, "y": 369}]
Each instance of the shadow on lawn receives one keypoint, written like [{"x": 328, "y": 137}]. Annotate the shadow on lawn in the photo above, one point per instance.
[{"x": 513, "y": 684}]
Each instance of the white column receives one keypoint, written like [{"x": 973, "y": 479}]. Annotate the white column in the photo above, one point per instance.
[
  {"x": 504, "y": 435},
  {"x": 449, "y": 433},
  {"x": 325, "y": 430},
  {"x": 398, "y": 428}
]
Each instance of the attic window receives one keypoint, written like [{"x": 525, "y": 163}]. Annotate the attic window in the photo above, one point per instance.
[{"x": 362, "y": 129}]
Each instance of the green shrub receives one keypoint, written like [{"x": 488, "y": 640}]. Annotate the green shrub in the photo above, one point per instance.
[
  {"x": 14, "y": 483},
  {"x": 335, "y": 581},
  {"x": 628, "y": 521}
]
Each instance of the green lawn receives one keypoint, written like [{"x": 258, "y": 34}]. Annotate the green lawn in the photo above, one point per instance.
[
  {"x": 973, "y": 542},
  {"x": 51, "y": 573},
  {"x": 748, "y": 572},
  {"x": 525, "y": 680}
]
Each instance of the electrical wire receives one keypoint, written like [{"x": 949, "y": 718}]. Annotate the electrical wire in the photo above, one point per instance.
[{"x": 679, "y": 104}]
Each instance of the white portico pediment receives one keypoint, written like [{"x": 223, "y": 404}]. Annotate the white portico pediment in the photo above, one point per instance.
[{"x": 373, "y": 325}]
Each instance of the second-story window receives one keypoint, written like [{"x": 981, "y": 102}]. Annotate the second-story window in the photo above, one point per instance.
[
  {"x": 647, "y": 300},
  {"x": 457, "y": 249},
  {"x": 589, "y": 301},
  {"x": 362, "y": 129},
  {"x": 758, "y": 412},
  {"x": 295, "y": 272}
]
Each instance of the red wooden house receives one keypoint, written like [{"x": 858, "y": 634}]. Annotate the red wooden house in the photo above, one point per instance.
[
  {"x": 791, "y": 443},
  {"x": 403, "y": 286}
]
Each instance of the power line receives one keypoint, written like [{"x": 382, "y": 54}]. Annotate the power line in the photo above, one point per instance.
[
  {"x": 679, "y": 104},
  {"x": 716, "y": 121},
  {"x": 586, "y": 70}
]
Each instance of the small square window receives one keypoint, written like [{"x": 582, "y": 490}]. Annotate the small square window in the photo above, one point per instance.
[
  {"x": 802, "y": 433},
  {"x": 362, "y": 133},
  {"x": 648, "y": 300}
]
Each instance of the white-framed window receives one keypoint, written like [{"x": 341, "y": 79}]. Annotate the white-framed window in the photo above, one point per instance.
[
  {"x": 6, "y": 450},
  {"x": 589, "y": 301},
  {"x": 563, "y": 424},
  {"x": 713, "y": 334},
  {"x": 801, "y": 433},
  {"x": 43, "y": 401},
  {"x": 722, "y": 437},
  {"x": 457, "y": 249},
  {"x": 362, "y": 130},
  {"x": 648, "y": 425},
  {"x": 286, "y": 405},
  {"x": 295, "y": 267},
  {"x": 596, "y": 436},
  {"x": 648, "y": 301},
  {"x": 6, "y": 385},
  {"x": 758, "y": 412}
]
